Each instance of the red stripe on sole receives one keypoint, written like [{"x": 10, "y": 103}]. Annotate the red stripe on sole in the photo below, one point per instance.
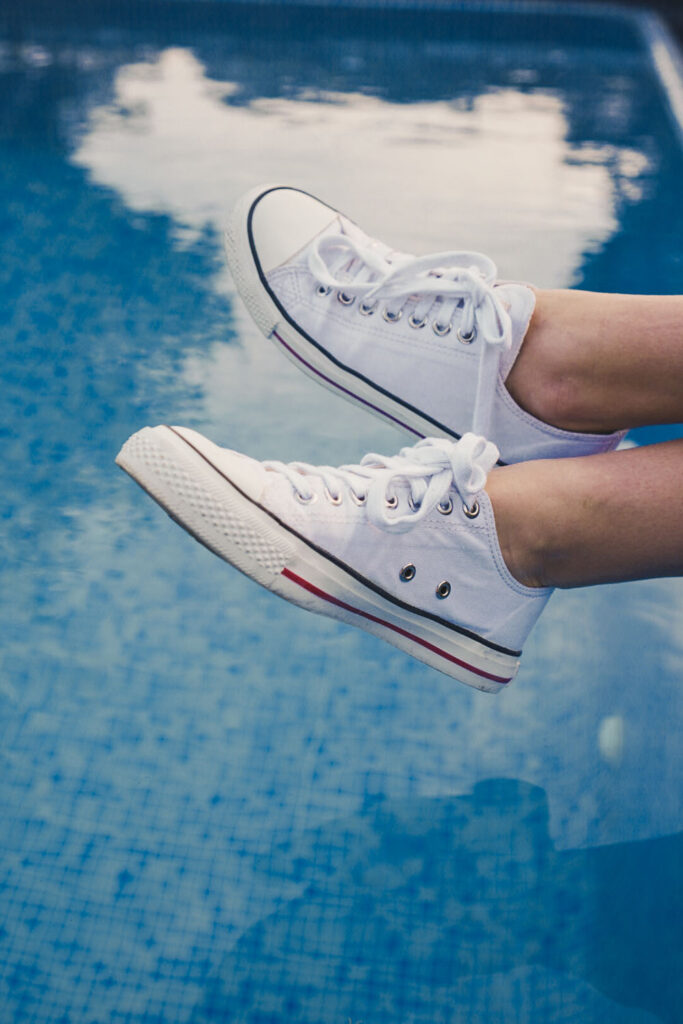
[{"x": 389, "y": 625}]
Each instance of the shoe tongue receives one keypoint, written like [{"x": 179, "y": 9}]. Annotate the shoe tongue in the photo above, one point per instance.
[
  {"x": 358, "y": 236},
  {"x": 347, "y": 227},
  {"x": 337, "y": 226},
  {"x": 520, "y": 301},
  {"x": 333, "y": 230}
]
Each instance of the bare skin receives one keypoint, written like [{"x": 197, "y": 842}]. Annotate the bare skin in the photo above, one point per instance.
[
  {"x": 597, "y": 363},
  {"x": 601, "y": 519}
]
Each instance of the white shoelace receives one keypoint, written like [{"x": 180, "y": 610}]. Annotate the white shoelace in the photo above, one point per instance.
[
  {"x": 433, "y": 287},
  {"x": 424, "y": 473}
]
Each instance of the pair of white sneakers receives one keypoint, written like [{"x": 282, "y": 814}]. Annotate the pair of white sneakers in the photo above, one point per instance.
[{"x": 403, "y": 546}]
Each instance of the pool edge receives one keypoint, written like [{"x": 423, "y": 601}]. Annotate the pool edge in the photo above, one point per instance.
[{"x": 667, "y": 62}]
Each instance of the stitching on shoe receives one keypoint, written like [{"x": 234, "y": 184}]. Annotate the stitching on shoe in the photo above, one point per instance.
[
  {"x": 337, "y": 362},
  {"x": 426, "y": 343},
  {"x": 462, "y": 630},
  {"x": 290, "y": 279}
]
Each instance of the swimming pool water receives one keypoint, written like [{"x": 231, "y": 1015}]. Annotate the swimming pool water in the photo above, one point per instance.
[{"x": 214, "y": 806}]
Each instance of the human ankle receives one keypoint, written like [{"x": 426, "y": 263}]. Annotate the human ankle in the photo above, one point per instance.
[
  {"x": 536, "y": 381},
  {"x": 510, "y": 490},
  {"x": 548, "y": 378}
]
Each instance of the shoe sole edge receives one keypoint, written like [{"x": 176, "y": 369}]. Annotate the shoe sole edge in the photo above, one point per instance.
[
  {"x": 325, "y": 370},
  {"x": 270, "y": 318},
  {"x": 207, "y": 506}
]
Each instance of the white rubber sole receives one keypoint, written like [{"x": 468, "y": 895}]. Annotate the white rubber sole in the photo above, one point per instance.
[
  {"x": 271, "y": 320},
  {"x": 202, "y": 500}
]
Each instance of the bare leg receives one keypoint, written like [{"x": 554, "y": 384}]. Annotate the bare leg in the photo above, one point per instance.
[
  {"x": 601, "y": 519},
  {"x": 599, "y": 363}
]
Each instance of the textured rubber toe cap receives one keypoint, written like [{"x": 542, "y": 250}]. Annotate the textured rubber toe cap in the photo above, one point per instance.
[{"x": 282, "y": 222}]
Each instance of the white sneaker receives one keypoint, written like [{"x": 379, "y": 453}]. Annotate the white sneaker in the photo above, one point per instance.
[
  {"x": 404, "y": 547},
  {"x": 424, "y": 342}
]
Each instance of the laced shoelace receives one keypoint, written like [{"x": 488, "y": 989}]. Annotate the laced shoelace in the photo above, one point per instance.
[
  {"x": 426, "y": 287},
  {"x": 424, "y": 473}
]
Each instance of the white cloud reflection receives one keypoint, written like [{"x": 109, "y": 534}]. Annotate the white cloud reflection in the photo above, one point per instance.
[{"x": 497, "y": 176}]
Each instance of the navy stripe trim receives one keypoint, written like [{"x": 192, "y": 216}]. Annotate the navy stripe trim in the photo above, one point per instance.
[{"x": 347, "y": 568}]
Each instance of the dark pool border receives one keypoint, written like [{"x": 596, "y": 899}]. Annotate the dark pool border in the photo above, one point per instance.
[
  {"x": 646, "y": 27},
  {"x": 649, "y": 26},
  {"x": 667, "y": 62}
]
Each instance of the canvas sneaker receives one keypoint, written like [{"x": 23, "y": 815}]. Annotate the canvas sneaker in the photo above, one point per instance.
[
  {"x": 404, "y": 546},
  {"x": 424, "y": 342}
]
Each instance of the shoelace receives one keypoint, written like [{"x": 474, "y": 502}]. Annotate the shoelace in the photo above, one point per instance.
[
  {"x": 425, "y": 472},
  {"x": 430, "y": 286}
]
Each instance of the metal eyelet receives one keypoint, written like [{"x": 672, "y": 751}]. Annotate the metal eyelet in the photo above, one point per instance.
[
  {"x": 358, "y": 499},
  {"x": 471, "y": 512},
  {"x": 367, "y": 310},
  {"x": 392, "y": 318},
  {"x": 441, "y": 329},
  {"x": 445, "y": 507},
  {"x": 407, "y": 573},
  {"x": 391, "y": 502},
  {"x": 305, "y": 499},
  {"x": 467, "y": 339},
  {"x": 443, "y": 590},
  {"x": 346, "y": 300},
  {"x": 322, "y": 290},
  {"x": 334, "y": 499},
  {"x": 414, "y": 322},
  {"x": 411, "y": 504}
]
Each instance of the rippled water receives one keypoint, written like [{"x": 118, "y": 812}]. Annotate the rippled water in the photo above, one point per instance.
[{"x": 215, "y": 806}]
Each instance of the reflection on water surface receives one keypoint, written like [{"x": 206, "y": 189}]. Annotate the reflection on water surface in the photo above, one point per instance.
[
  {"x": 171, "y": 143},
  {"x": 217, "y": 807}
]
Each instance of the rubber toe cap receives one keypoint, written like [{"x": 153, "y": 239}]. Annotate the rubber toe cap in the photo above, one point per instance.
[{"x": 284, "y": 221}]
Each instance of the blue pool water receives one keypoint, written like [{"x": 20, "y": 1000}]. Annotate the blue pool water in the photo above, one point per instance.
[{"x": 214, "y": 806}]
